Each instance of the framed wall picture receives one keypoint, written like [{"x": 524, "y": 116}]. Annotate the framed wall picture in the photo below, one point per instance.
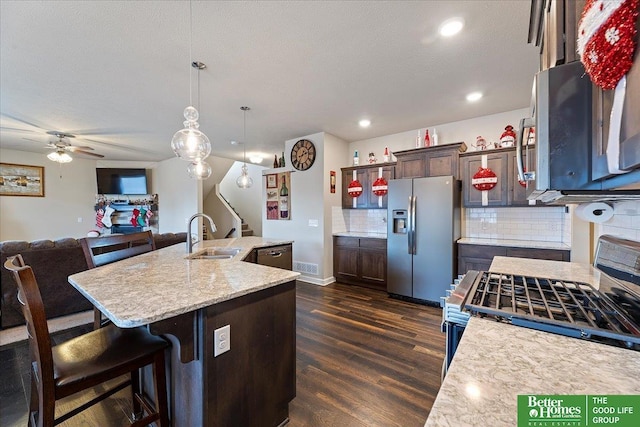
[
  {"x": 272, "y": 181},
  {"x": 21, "y": 180}
]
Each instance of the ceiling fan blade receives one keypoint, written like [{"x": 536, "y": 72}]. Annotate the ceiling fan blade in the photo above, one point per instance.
[
  {"x": 79, "y": 147},
  {"x": 120, "y": 146},
  {"x": 9, "y": 116},
  {"x": 86, "y": 153},
  {"x": 17, "y": 130},
  {"x": 33, "y": 140}
]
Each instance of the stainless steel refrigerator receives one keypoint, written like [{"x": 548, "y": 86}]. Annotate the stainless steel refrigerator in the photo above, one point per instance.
[{"x": 423, "y": 217}]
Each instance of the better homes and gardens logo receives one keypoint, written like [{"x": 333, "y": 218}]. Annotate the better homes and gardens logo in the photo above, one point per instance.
[{"x": 578, "y": 410}]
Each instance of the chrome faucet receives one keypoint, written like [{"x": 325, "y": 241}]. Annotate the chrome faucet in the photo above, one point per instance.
[{"x": 212, "y": 227}]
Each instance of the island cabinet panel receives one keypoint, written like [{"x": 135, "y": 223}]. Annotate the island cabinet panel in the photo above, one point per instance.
[
  {"x": 360, "y": 261},
  {"x": 366, "y": 175},
  {"x": 253, "y": 383},
  {"x": 480, "y": 257},
  {"x": 439, "y": 160}
]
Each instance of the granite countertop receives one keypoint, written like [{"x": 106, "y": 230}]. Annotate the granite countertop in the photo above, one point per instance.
[
  {"x": 497, "y": 361},
  {"x": 537, "y": 244},
  {"x": 161, "y": 284},
  {"x": 361, "y": 234}
]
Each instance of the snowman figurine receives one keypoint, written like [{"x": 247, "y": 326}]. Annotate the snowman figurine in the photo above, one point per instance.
[
  {"x": 508, "y": 137},
  {"x": 481, "y": 143}
]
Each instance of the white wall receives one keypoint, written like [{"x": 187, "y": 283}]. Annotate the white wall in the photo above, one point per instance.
[
  {"x": 490, "y": 127},
  {"x": 66, "y": 199},
  {"x": 306, "y": 199},
  {"x": 335, "y": 150},
  {"x": 248, "y": 201},
  {"x": 179, "y": 196}
]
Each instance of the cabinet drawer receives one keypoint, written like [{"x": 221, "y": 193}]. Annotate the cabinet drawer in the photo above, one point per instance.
[
  {"x": 346, "y": 241},
  {"x": 548, "y": 254},
  {"x": 373, "y": 243},
  {"x": 480, "y": 251}
]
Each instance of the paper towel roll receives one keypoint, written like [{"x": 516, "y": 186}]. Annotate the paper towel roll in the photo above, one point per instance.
[{"x": 594, "y": 212}]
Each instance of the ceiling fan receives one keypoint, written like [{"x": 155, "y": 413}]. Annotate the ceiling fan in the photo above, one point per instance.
[{"x": 61, "y": 147}]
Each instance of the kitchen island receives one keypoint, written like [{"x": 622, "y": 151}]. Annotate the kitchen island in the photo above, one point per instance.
[
  {"x": 186, "y": 300},
  {"x": 495, "y": 362}
]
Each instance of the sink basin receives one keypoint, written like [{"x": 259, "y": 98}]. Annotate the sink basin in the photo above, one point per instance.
[{"x": 215, "y": 253}]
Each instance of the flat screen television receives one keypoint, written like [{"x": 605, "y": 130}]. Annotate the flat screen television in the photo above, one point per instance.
[{"x": 121, "y": 181}]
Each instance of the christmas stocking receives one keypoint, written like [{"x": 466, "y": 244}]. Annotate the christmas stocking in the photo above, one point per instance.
[
  {"x": 605, "y": 39},
  {"x": 148, "y": 218},
  {"x": 99, "y": 218},
  {"x": 108, "y": 211},
  {"x": 142, "y": 217},
  {"x": 134, "y": 217}
]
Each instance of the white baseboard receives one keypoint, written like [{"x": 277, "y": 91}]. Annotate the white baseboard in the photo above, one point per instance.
[{"x": 317, "y": 281}]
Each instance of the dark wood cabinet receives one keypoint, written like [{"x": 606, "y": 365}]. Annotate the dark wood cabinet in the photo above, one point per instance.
[
  {"x": 366, "y": 175},
  {"x": 479, "y": 257},
  {"x": 517, "y": 194},
  {"x": 553, "y": 26},
  {"x": 503, "y": 162},
  {"x": 439, "y": 160},
  {"x": 360, "y": 261},
  {"x": 470, "y": 163}
]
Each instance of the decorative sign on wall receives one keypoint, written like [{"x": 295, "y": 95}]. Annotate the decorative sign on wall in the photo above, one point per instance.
[{"x": 278, "y": 188}]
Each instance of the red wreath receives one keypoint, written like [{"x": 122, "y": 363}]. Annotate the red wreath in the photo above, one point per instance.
[
  {"x": 484, "y": 179},
  {"x": 355, "y": 188},
  {"x": 380, "y": 187}
]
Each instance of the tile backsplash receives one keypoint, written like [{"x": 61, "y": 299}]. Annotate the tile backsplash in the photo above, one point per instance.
[
  {"x": 625, "y": 222},
  {"x": 359, "y": 220},
  {"x": 549, "y": 224}
]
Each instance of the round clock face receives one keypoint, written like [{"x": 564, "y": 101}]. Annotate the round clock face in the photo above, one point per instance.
[{"x": 303, "y": 154}]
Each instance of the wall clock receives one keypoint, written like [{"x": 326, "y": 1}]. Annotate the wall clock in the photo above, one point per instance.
[{"x": 303, "y": 154}]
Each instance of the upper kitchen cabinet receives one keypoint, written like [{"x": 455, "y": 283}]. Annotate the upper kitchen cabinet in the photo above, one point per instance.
[
  {"x": 508, "y": 191},
  {"x": 439, "y": 160},
  {"x": 553, "y": 26},
  {"x": 517, "y": 194},
  {"x": 497, "y": 161},
  {"x": 366, "y": 175}
]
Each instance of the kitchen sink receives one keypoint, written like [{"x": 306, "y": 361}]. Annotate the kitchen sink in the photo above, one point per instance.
[{"x": 215, "y": 253}]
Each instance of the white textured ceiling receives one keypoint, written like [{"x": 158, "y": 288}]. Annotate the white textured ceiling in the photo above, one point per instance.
[{"x": 116, "y": 73}]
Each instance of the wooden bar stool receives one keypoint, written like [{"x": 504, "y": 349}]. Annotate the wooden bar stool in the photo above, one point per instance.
[
  {"x": 105, "y": 250},
  {"x": 86, "y": 361}
]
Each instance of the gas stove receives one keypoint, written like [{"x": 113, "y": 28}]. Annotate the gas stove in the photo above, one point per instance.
[
  {"x": 568, "y": 308},
  {"x": 606, "y": 312}
]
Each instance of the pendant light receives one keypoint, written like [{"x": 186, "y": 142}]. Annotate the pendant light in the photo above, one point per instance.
[
  {"x": 190, "y": 143},
  {"x": 244, "y": 180}
]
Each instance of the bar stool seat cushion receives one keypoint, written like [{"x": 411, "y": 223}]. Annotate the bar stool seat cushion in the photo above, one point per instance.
[{"x": 100, "y": 352}]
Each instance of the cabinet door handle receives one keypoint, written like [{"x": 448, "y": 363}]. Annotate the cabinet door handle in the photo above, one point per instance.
[{"x": 276, "y": 254}]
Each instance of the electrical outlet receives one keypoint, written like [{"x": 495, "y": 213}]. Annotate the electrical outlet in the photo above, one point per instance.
[{"x": 221, "y": 340}]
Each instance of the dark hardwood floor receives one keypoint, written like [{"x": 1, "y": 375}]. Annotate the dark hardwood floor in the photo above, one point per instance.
[{"x": 363, "y": 359}]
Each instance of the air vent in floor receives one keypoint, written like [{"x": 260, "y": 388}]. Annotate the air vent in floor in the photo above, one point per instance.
[{"x": 305, "y": 267}]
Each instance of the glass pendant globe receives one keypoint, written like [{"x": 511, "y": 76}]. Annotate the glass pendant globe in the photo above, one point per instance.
[
  {"x": 244, "y": 180},
  {"x": 199, "y": 170},
  {"x": 190, "y": 143}
]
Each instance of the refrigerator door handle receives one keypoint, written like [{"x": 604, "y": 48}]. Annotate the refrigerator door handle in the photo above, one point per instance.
[
  {"x": 409, "y": 228},
  {"x": 413, "y": 225}
]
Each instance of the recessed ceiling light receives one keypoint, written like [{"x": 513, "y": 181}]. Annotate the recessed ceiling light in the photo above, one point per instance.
[
  {"x": 364, "y": 123},
  {"x": 256, "y": 159},
  {"x": 451, "y": 27},
  {"x": 474, "y": 96}
]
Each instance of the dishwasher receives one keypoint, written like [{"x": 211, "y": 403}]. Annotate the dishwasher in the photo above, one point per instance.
[{"x": 276, "y": 256}]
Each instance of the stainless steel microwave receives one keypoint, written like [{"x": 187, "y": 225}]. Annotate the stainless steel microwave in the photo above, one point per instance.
[{"x": 571, "y": 119}]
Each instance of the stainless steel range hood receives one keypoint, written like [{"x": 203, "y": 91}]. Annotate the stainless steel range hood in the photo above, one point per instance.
[{"x": 567, "y": 151}]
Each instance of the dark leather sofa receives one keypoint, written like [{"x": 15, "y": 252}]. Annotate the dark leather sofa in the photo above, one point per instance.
[{"x": 52, "y": 263}]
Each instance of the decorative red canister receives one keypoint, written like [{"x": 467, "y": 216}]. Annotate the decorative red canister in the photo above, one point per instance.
[
  {"x": 355, "y": 188},
  {"x": 380, "y": 187},
  {"x": 484, "y": 179}
]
